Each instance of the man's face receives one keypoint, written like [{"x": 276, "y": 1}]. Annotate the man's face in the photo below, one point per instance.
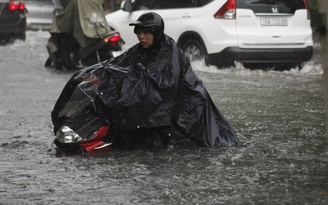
[{"x": 145, "y": 37}]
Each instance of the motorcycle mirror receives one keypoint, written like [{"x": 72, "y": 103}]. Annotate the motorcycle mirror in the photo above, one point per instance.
[{"x": 127, "y": 5}]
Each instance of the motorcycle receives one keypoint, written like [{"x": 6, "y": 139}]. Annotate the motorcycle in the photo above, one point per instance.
[
  {"x": 80, "y": 126},
  {"x": 80, "y": 36}
]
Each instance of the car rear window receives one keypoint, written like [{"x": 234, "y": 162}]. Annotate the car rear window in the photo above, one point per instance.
[
  {"x": 201, "y": 3},
  {"x": 272, "y": 6},
  {"x": 168, "y": 4}
]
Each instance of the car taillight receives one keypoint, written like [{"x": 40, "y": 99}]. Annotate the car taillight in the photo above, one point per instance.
[
  {"x": 113, "y": 40},
  {"x": 308, "y": 9},
  {"x": 227, "y": 11},
  {"x": 15, "y": 5}
]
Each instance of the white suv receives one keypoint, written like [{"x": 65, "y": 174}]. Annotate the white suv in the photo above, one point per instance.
[{"x": 227, "y": 31}]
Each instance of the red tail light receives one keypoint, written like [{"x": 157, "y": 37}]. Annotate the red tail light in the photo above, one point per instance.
[
  {"x": 113, "y": 40},
  {"x": 227, "y": 11},
  {"x": 15, "y": 5},
  {"x": 308, "y": 9}
]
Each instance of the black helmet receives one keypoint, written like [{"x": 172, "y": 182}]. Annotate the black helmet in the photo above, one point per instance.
[{"x": 150, "y": 19}]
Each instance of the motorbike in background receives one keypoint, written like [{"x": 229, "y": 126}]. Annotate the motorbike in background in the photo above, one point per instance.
[
  {"x": 80, "y": 36},
  {"x": 71, "y": 56}
]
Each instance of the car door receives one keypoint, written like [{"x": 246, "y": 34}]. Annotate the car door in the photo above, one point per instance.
[
  {"x": 272, "y": 24},
  {"x": 39, "y": 11},
  {"x": 176, "y": 16}
]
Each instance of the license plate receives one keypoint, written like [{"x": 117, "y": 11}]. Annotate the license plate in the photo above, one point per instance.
[{"x": 274, "y": 21}]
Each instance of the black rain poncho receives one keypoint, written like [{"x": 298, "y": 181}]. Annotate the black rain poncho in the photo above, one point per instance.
[{"x": 153, "y": 90}]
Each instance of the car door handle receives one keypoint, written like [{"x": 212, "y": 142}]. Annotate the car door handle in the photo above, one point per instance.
[{"x": 186, "y": 16}]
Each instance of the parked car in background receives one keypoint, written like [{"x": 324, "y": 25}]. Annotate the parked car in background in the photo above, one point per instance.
[
  {"x": 223, "y": 32},
  {"x": 12, "y": 20},
  {"x": 39, "y": 14}
]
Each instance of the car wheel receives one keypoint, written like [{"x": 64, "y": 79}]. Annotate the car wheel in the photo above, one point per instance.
[
  {"x": 272, "y": 66},
  {"x": 21, "y": 36},
  {"x": 17, "y": 36},
  {"x": 4, "y": 39},
  {"x": 194, "y": 50}
]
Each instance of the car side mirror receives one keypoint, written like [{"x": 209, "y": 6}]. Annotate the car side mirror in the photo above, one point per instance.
[{"x": 127, "y": 6}]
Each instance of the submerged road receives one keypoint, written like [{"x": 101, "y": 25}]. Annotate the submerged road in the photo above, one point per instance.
[{"x": 279, "y": 116}]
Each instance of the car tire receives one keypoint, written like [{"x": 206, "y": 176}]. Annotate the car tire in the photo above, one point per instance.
[
  {"x": 17, "y": 36},
  {"x": 22, "y": 36},
  {"x": 272, "y": 66},
  {"x": 194, "y": 49}
]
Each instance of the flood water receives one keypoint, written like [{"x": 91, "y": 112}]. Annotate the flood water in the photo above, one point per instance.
[{"x": 279, "y": 116}]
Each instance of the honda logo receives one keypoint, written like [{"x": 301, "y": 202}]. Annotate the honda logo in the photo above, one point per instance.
[{"x": 274, "y": 10}]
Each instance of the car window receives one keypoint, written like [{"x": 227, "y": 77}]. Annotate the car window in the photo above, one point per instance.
[
  {"x": 160, "y": 4},
  {"x": 38, "y": 2},
  {"x": 266, "y": 6},
  {"x": 201, "y": 3}
]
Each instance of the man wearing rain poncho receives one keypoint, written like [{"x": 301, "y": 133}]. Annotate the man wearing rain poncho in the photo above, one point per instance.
[{"x": 149, "y": 96}]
